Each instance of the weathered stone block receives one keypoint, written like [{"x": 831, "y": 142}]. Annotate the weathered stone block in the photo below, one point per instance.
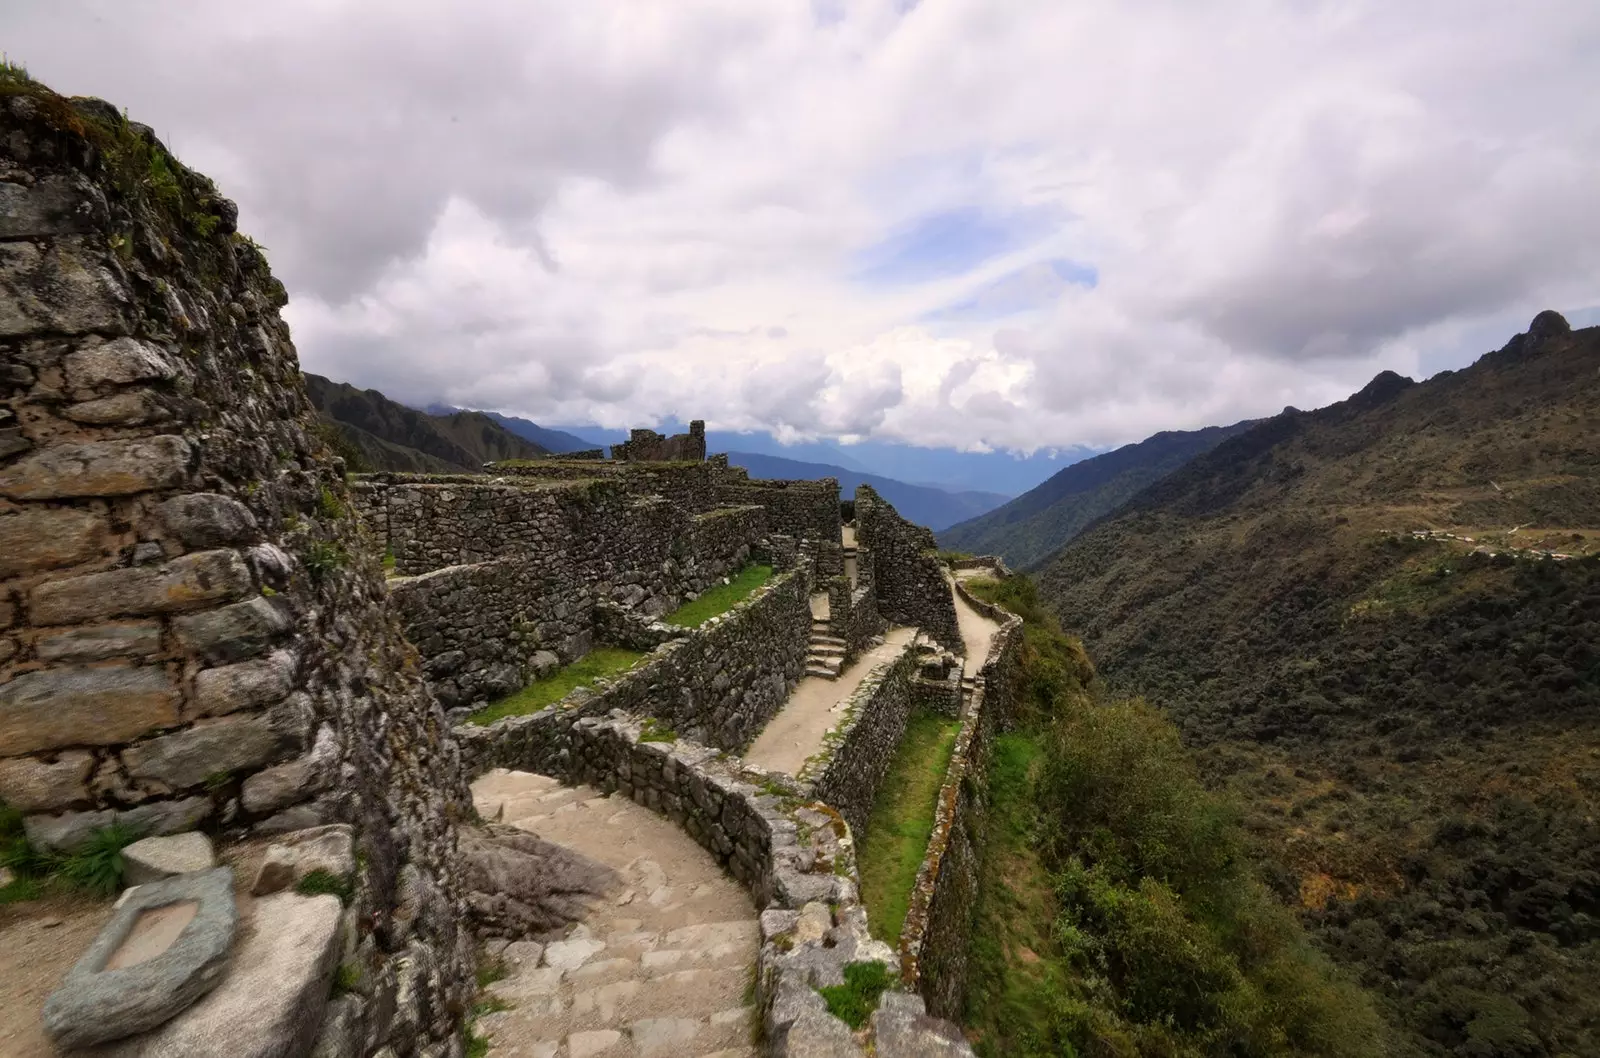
[
  {"x": 206, "y": 519},
  {"x": 119, "y": 362},
  {"x": 57, "y": 290},
  {"x": 97, "y": 468},
  {"x": 63, "y": 833},
  {"x": 52, "y": 206},
  {"x": 272, "y": 788},
  {"x": 188, "y": 758},
  {"x": 185, "y": 583},
  {"x": 100, "y": 642},
  {"x": 330, "y": 848},
  {"x": 36, "y": 538},
  {"x": 121, "y": 409},
  {"x": 232, "y": 633},
  {"x": 246, "y": 685},
  {"x": 152, "y": 859},
  {"x": 32, "y": 785},
  {"x": 76, "y": 706}
]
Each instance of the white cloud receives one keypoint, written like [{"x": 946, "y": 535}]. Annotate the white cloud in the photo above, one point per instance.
[{"x": 616, "y": 210}]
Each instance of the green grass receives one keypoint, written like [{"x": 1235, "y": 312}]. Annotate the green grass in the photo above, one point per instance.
[
  {"x": 319, "y": 882},
  {"x": 94, "y": 868},
  {"x": 599, "y": 662},
  {"x": 902, "y": 820},
  {"x": 719, "y": 599},
  {"x": 854, "y": 1001}
]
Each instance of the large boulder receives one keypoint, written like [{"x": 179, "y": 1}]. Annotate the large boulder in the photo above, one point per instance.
[{"x": 519, "y": 884}]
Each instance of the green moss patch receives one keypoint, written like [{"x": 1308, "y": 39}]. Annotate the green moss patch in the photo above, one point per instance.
[
  {"x": 902, "y": 821},
  {"x": 854, "y": 1001},
  {"x": 719, "y": 599},
  {"x": 598, "y": 663}
]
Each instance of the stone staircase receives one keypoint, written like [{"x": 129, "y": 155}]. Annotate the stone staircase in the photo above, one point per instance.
[{"x": 825, "y": 656}]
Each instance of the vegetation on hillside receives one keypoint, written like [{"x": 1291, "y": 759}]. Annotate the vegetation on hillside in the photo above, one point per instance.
[
  {"x": 1119, "y": 913},
  {"x": 1411, "y": 726}
]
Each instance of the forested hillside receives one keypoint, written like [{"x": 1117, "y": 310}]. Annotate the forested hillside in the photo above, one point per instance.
[
  {"x": 1028, "y": 529},
  {"x": 373, "y": 432},
  {"x": 1411, "y": 720}
]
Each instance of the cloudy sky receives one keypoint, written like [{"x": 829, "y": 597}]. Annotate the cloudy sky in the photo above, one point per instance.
[{"x": 953, "y": 222}]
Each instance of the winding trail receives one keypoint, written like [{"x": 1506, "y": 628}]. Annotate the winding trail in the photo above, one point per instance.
[
  {"x": 662, "y": 966},
  {"x": 977, "y": 631}
]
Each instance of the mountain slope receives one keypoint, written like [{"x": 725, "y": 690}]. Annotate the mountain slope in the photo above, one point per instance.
[
  {"x": 1413, "y": 721},
  {"x": 386, "y": 435},
  {"x": 934, "y": 508},
  {"x": 557, "y": 441},
  {"x": 1029, "y": 528}
]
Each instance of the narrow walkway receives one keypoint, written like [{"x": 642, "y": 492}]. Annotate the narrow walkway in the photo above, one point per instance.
[
  {"x": 977, "y": 631},
  {"x": 815, "y": 707},
  {"x": 661, "y": 967}
]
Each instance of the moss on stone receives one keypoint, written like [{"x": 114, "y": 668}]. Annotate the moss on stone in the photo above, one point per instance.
[{"x": 598, "y": 663}]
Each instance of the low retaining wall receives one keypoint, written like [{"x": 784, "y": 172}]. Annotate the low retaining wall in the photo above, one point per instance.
[
  {"x": 935, "y": 941},
  {"x": 847, "y": 771},
  {"x": 719, "y": 683}
]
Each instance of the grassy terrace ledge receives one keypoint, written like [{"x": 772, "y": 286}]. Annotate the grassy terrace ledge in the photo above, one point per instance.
[
  {"x": 597, "y": 664},
  {"x": 720, "y": 598}
]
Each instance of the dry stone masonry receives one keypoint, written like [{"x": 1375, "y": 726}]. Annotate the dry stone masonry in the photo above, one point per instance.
[{"x": 192, "y": 627}]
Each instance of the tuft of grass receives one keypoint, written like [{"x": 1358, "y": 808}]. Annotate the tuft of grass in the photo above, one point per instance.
[
  {"x": 491, "y": 968},
  {"x": 720, "y": 598},
  {"x": 654, "y": 730},
  {"x": 320, "y": 881},
  {"x": 347, "y": 978},
  {"x": 489, "y": 1005},
  {"x": 95, "y": 867},
  {"x": 854, "y": 1001},
  {"x": 322, "y": 558},
  {"x": 388, "y": 562},
  {"x": 897, "y": 833},
  {"x": 598, "y": 663},
  {"x": 328, "y": 504}
]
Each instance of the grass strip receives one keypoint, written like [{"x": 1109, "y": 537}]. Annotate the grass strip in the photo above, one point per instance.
[
  {"x": 598, "y": 663},
  {"x": 720, "y": 598},
  {"x": 902, "y": 821}
]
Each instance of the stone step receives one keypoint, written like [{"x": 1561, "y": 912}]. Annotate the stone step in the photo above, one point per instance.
[
  {"x": 821, "y": 673},
  {"x": 826, "y": 650},
  {"x": 828, "y": 641}
]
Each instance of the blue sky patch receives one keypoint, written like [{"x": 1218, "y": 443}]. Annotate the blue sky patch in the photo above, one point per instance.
[
  {"x": 1034, "y": 287},
  {"x": 940, "y": 245}
]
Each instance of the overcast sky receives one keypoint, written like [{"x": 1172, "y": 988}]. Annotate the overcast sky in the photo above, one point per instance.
[{"x": 1022, "y": 224}]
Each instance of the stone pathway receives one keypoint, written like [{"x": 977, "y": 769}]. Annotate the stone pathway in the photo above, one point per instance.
[
  {"x": 815, "y": 707},
  {"x": 977, "y": 631},
  {"x": 663, "y": 966}
]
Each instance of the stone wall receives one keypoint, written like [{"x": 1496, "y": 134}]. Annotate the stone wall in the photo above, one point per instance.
[
  {"x": 805, "y": 510},
  {"x": 847, "y": 771},
  {"x": 910, "y": 579},
  {"x": 719, "y": 684},
  {"x": 936, "y": 938},
  {"x": 649, "y": 446},
  {"x": 192, "y": 632}
]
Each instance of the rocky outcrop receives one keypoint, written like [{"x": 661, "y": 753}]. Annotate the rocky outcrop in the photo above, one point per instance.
[
  {"x": 520, "y": 885},
  {"x": 192, "y": 629}
]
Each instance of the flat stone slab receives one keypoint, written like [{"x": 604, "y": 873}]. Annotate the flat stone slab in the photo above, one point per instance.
[
  {"x": 273, "y": 999},
  {"x": 153, "y": 859},
  {"x": 162, "y": 965}
]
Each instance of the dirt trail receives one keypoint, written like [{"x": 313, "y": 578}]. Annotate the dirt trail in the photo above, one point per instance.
[
  {"x": 977, "y": 631},
  {"x": 815, "y": 707},
  {"x": 660, "y": 967}
]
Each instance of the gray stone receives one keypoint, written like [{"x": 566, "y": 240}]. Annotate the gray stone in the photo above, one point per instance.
[
  {"x": 902, "y": 1029},
  {"x": 341, "y": 1035},
  {"x": 97, "y": 468},
  {"x": 273, "y": 788},
  {"x": 94, "y": 1004},
  {"x": 51, "y": 206},
  {"x": 296, "y": 818},
  {"x": 100, "y": 642},
  {"x": 153, "y": 859},
  {"x": 211, "y": 747},
  {"x": 245, "y": 685},
  {"x": 53, "y": 708},
  {"x": 188, "y": 582},
  {"x": 544, "y": 663},
  {"x": 8, "y": 650},
  {"x": 232, "y": 633},
  {"x": 329, "y": 848},
  {"x": 118, "y": 362},
  {"x": 519, "y": 884},
  {"x": 818, "y": 1034},
  {"x": 36, "y": 538},
  {"x": 272, "y": 1001},
  {"x": 132, "y": 408},
  {"x": 206, "y": 519},
  {"x": 31, "y": 785},
  {"x": 57, "y": 291},
  {"x": 63, "y": 833}
]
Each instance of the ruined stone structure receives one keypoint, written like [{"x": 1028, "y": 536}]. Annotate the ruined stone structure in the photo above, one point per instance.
[
  {"x": 192, "y": 626},
  {"x": 197, "y": 630},
  {"x": 648, "y": 446}
]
